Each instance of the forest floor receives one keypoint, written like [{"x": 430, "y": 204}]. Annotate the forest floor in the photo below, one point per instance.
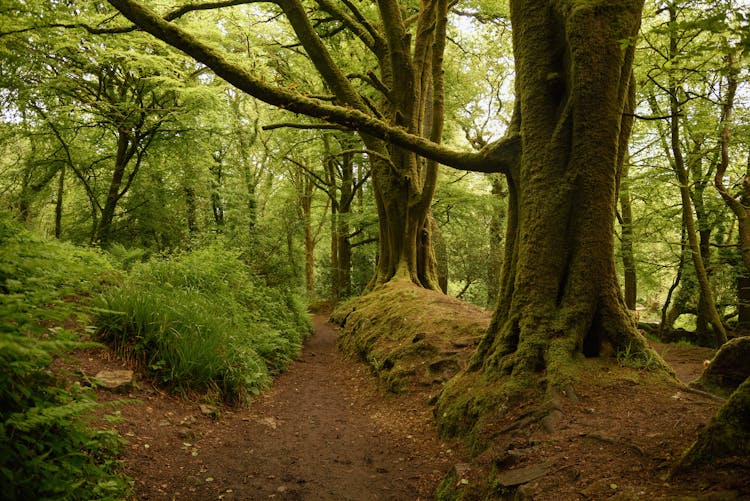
[{"x": 326, "y": 431}]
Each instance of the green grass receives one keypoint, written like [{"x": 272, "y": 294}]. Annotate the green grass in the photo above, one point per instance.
[
  {"x": 202, "y": 321},
  {"x": 636, "y": 359}
]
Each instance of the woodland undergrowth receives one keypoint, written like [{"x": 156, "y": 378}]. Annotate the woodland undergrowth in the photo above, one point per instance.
[
  {"x": 48, "y": 447},
  {"x": 203, "y": 321},
  {"x": 200, "y": 322}
]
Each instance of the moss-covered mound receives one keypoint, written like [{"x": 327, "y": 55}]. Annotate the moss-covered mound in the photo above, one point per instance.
[
  {"x": 409, "y": 335},
  {"x": 728, "y": 369},
  {"x": 727, "y": 435}
]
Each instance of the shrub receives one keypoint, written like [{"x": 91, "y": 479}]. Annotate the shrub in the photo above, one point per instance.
[
  {"x": 47, "y": 449},
  {"x": 203, "y": 321}
]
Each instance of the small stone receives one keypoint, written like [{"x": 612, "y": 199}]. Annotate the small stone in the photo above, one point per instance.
[
  {"x": 120, "y": 380},
  {"x": 281, "y": 489},
  {"x": 209, "y": 410}
]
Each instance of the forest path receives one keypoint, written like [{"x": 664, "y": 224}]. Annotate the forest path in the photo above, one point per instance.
[{"x": 323, "y": 432}]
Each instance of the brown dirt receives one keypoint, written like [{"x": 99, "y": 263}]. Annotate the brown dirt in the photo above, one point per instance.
[{"x": 326, "y": 431}]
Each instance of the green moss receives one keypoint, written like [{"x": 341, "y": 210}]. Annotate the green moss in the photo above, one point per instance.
[
  {"x": 409, "y": 335},
  {"x": 728, "y": 433}
]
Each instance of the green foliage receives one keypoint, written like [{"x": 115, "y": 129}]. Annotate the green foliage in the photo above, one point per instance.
[
  {"x": 202, "y": 320},
  {"x": 46, "y": 450},
  {"x": 125, "y": 257},
  {"x": 43, "y": 280},
  {"x": 637, "y": 359}
]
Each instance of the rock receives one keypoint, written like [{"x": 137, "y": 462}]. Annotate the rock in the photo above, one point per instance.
[
  {"x": 209, "y": 410},
  {"x": 118, "y": 380},
  {"x": 511, "y": 478},
  {"x": 462, "y": 473}
]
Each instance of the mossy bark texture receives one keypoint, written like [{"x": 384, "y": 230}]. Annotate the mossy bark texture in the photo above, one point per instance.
[
  {"x": 728, "y": 433},
  {"x": 559, "y": 296}
]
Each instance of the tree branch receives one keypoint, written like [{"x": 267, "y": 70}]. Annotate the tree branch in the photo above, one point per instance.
[
  {"x": 294, "y": 125},
  {"x": 483, "y": 161},
  {"x": 357, "y": 24},
  {"x": 169, "y": 16}
]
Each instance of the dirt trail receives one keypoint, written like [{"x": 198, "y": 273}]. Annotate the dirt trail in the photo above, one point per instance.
[{"x": 323, "y": 432}]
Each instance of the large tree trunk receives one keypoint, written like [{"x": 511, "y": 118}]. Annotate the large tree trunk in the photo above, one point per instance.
[
  {"x": 404, "y": 186},
  {"x": 574, "y": 83}
]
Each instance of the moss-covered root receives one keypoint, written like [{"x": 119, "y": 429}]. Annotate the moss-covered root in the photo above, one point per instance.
[{"x": 728, "y": 433}]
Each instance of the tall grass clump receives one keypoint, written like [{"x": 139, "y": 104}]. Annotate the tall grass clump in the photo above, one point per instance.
[
  {"x": 202, "y": 321},
  {"x": 48, "y": 449}
]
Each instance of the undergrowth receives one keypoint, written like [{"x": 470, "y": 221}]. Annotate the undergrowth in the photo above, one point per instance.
[
  {"x": 48, "y": 450},
  {"x": 202, "y": 321},
  {"x": 637, "y": 359}
]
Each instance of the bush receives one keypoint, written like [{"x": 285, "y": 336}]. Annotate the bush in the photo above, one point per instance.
[
  {"x": 47, "y": 450},
  {"x": 202, "y": 321}
]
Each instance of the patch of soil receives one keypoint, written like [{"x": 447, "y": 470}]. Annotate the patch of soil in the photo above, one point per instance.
[
  {"x": 687, "y": 361},
  {"x": 325, "y": 431}
]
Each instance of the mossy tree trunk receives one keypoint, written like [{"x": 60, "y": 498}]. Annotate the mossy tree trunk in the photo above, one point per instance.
[
  {"x": 405, "y": 185},
  {"x": 626, "y": 240},
  {"x": 411, "y": 84},
  {"x": 560, "y": 296}
]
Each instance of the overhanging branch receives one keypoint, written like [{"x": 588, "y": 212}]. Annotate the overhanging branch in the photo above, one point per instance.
[
  {"x": 294, "y": 125},
  {"x": 494, "y": 158}
]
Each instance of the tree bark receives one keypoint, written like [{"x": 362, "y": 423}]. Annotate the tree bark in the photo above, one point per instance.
[
  {"x": 574, "y": 78},
  {"x": 626, "y": 242},
  {"x": 126, "y": 149},
  {"x": 59, "y": 203}
]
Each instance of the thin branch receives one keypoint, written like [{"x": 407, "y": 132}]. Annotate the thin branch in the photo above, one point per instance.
[
  {"x": 169, "y": 16},
  {"x": 652, "y": 117},
  {"x": 363, "y": 242},
  {"x": 372, "y": 79}
]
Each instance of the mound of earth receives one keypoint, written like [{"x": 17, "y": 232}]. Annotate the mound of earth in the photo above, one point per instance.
[{"x": 410, "y": 336}]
